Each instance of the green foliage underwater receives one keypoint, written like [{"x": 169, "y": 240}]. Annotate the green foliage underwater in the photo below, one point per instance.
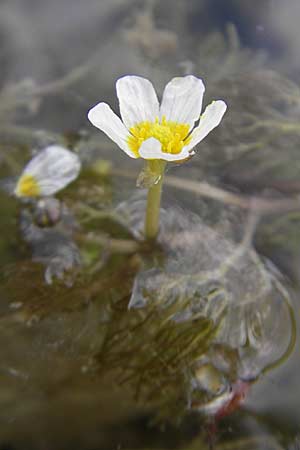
[{"x": 109, "y": 341}]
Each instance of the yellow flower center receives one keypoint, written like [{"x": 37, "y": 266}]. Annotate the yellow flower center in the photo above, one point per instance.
[
  {"x": 27, "y": 187},
  {"x": 173, "y": 136}
]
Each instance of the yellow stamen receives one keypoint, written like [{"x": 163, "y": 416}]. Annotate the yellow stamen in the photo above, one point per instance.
[
  {"x": 27, "y": 187},
  {"x": 173, "y": 136}
]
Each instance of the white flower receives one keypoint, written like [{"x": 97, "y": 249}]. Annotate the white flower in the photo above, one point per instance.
[
  {"x": 48, "y": 172},
  {"x": 151, "y": 131}
]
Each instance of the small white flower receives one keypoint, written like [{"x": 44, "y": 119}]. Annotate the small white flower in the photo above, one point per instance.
[
  {"x": 151, "y": 131},
  {"x": 48, "y": 172}
]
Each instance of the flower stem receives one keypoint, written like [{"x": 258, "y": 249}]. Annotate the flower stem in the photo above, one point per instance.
[{"x": 156, "y": 167}]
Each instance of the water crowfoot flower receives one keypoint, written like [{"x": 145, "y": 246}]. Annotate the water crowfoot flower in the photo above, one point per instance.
[
  {"x": 48, "y": 172},
  {"x": 165, "y": 133}
]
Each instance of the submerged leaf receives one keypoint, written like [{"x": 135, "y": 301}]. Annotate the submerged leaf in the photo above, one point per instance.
[
  {"x": 48, "y": 229},
  {"x": 206, "y": 275}
]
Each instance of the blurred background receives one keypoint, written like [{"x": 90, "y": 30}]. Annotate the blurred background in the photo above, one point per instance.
[{"x": 57, "y": 60}]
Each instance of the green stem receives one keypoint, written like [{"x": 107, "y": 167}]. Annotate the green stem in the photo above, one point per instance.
[{"x": 156, "y": 167}]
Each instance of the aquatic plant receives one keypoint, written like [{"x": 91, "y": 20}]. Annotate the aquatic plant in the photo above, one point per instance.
[
  {"x": 158, "y": 134},
  {"x": 234, "y": 314},
  {"x": 48, "y": 172}
]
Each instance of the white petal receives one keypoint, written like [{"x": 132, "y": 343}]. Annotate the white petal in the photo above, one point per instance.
[
  {"x": 52, "y": 169},
  {"x": 151, "y": 149},
  {"x": 209, "y": 120},
  {"x": 182, "y": 100},
  {"x": 138, "y": 100},
  {"x": 103, "y": 117}
]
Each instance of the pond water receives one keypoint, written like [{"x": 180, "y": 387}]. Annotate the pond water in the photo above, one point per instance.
[{"x": 110, "y": 342}]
